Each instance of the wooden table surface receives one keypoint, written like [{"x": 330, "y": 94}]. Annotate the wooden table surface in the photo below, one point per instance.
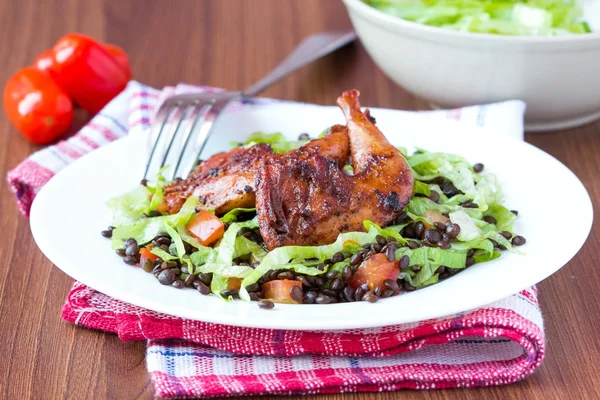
[{"x": 229, "y": 43}]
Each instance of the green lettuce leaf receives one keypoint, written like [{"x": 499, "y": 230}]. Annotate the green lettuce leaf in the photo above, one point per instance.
[
  {"x": 144, "y": 230},
  {"x": 280, "y": 258},
  {"x": 233, "y": 215},
  {"x": 278, "y": 142},
  {"x": 500, "y": 17}
]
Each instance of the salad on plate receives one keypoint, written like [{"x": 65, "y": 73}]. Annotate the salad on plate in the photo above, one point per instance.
[{"x": 343, "y": 217}]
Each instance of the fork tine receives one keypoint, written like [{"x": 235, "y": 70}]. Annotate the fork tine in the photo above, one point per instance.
[
  {"x": 201, "y": 107},
  {"x": 201, "y": 134},
  {"x": 184, "y": 113},
  {"x": 163, "y": 115}
]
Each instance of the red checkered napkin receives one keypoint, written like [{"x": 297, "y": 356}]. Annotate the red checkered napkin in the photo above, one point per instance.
[{"x": 494, "y": 345}]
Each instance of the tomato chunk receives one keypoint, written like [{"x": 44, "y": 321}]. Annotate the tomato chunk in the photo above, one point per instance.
[
  {"x": 146, "y": 252},
  {"x": 234, "y": 283},
  {"x": 278, "y": 291},
  {"x": 374, "y": 271},
  {"x": 205, "y": 227}
]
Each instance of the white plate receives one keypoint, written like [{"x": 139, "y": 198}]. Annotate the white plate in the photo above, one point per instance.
[{"x": 69, "y": 213}]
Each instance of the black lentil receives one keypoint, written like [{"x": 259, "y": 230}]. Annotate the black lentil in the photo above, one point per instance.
[
  {"x": 402, "y": 218},
  {"x": 469, "y": 204},
  {"x": 478, "y": 167},
  {"x": 419, "y": 229},
  {"x": 331, "y": 274},
  {"x": 433, "y": 235},
  {"x": 408, "y": 287},
  {"x": 415, "y": 268},
  {"x": 296, "y": 293},
  {"x": 336, "y": 284},
  {"x": 285, "y": 275},
  {"x": 356, "y": 259},
  {"x": 434, "y": 196},
  {"x": 348, "y": 293},
  {"x": 518, "y": 240},
  {"x": 442, "y": 244},
  {"x": 167, "y": 277},
  {"x": 178, "y": 284},
  {"x": 120, "y": 252},
  {"x": 322, "y": 299},
  {"x": 514, "y": 212},
  {"x": 229, "y": 292},
  {"x": 404, "y": 261},
  {"x": 346, "y": 273},
  {"x": 507, "y": 235},
  {"x": 309, "y": 297},
  {"x": 470, "y": 261},
  {"x": 449, "y": 189},
  {"x": 391, "y": 284},
  {"x": 303, "y": 136},
  {"x": 129, "y": 260},
  {"x": 107, "y": 233},
  {"x": 489, "y": 219},
  {"x": 202, "y": 288},
  {"x": 381, "y": 240},
  {"x": 390, "y": 254},
  {"x": 376, "y": 247},
  {"x": 377, "y": 291},
  {"x": 189, "y": 280},
  {"x": 440, "y": 226},
  {"x": 337, "y": 257},
  {"x": 413, "y": 245},
  {"x": 266, "y": 304},
  {"x": 132, "y": 249},
  {"x": 147, "y": 265},
  {"x": 452, "y": 230}
]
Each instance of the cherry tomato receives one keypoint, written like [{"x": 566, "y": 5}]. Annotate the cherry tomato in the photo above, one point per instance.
[
  {"x": 44, "y": 61},
  {"x": 87, "y": 71},
  {"x": 37, "y": 106},
  {"x": 278, "y": 291},
  {"x": 120, "y": 56},
  {"x": 205, "y": 227},
  {"x": 374, "y": 271}
]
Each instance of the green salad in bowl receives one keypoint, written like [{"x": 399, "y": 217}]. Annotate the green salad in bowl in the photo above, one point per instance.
[{"x": 502, "y": 17}]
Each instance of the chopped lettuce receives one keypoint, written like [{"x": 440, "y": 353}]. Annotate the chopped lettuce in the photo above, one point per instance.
[
  {"x": 501, "y": 17},
  {"x": 468, "y": 229},
  {"x": 144, "y": 230},
  {"x": 233, "y": 215},
  {"x": 130, "y": 206},
  {"x": 280, "y": 258},
  {"x": 278, "y": 142}
]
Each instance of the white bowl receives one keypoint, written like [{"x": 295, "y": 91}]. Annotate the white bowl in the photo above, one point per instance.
[{"x": 558, "y": 77}]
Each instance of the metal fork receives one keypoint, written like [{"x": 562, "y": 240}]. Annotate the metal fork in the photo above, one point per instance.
[{"x": 184, "y": 123}]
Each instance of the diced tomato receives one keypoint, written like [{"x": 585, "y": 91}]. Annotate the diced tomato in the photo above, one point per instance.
[
  {"x": 278, "y": 291},
  {"x": 234, "y": 283},
  {"x": 146, "y": 252},
  {"x": 374, "y": 271},
  {"x": 205, "y": 227},
  {"x": 434, "y": 217},
  {"x": 163, "y": 207}
]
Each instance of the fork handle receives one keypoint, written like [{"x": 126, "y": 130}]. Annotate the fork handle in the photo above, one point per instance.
[{"x": 310, "y": 49}]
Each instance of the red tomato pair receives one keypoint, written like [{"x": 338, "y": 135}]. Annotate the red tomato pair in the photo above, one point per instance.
[{"x": 39, "y": 100}]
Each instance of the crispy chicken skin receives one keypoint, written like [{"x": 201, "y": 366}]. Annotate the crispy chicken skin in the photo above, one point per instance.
[
  {"x": 304, "y": 198},
  {"x": 223, "y": 182},
  {"x": 227, "y": 180}
]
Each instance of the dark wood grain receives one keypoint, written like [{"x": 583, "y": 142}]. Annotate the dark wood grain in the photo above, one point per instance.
[{"x": 230, "y": 43}]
